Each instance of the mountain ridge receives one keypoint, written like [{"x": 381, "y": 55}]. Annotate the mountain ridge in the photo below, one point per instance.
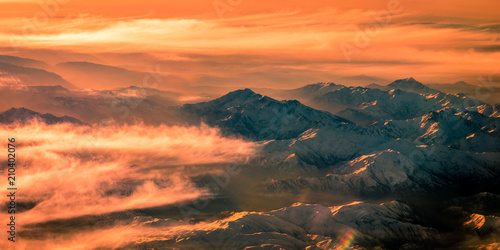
[
  {"x": 260, "y": 117},
  {"x": 23, "y": 115}
]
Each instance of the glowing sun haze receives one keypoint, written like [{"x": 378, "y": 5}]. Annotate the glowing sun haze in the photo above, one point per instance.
[{"x": 258, "y": 43}]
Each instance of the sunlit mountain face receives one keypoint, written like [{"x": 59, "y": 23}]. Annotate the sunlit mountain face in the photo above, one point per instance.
[{"x": 249, "y": 125}]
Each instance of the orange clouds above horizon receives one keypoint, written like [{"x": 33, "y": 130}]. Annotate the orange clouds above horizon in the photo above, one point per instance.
[{"x": 443, "y": 41}]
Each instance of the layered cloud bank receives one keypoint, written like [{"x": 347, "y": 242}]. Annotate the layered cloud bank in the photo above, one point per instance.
[
  {"x": 284, "y": 44},
  {"x": 67, "y": 171}
]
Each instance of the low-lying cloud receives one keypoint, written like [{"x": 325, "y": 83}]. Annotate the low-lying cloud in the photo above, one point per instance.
[{"x": 71, "y": 171}]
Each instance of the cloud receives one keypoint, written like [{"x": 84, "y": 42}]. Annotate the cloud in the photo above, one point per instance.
[
  {"x": 70, "y": 171},
  {"x": 257, "y": 48},
  {"x": 488, "y": 48}
]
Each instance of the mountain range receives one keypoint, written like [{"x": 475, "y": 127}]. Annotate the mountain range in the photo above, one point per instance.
[{"x": 409, "y": 166}]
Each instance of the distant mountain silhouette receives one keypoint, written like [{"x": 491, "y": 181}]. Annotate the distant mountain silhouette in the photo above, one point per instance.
[{"x": 23, "y": 115}]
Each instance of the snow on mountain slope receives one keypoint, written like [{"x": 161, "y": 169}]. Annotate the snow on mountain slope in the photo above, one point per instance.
[
  {"x": 375, "y": 174},
  {"x": 306, "y": 94},
  {"x": 410, "y": 170},
  {"x": 487, "y": 110},
  {"x": 295, "y": 136},
  {"x": 388, "y": 222},
  {"x": 407, "y": 84},
  {"x": 259, "y": 117},
  {"x": 292, "y": 135},
  {"x": 353, "y": 96},
  {"x": 482, "y": 203},
  {"x": 322, "y": 147},
  {"x": 411, "y": 85},
  {"x": 369, "y": 105},
  {"x": 300, "y": 226},
  {"x": 480, "y": 141},
  {"x": 313, "y": 90},
  {"x": 488, "y": 93},
  {"x": 402, "y": 99},
  {"x": 445, "y": 127},
  {"x": 433, "y": 153}
]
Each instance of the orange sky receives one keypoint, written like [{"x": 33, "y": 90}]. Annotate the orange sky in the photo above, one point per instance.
[{"x": 257, "y": 43}]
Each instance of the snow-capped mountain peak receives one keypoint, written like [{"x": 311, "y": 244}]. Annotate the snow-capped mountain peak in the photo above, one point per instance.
[
  {"x": 411, "y": 85},
  {"x": 260, "y": 117}
]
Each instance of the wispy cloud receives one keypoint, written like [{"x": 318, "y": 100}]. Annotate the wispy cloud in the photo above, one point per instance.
[
  {"x": 412, "y": 36},
  {"x": 71, "y": 171}
]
